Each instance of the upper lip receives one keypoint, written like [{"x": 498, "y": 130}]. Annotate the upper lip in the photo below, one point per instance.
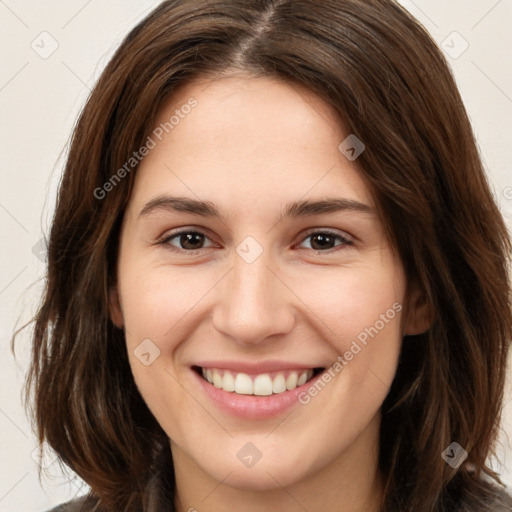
[{"x": 257, "y": 367}]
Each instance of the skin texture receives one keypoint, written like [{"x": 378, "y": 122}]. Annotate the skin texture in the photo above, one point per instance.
[{"x": 251, "y": 146}]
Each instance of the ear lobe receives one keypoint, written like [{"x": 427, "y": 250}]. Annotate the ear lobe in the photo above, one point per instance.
[
  {"x": 420, "y": 314},
  {"x": 116, "y": 314}
]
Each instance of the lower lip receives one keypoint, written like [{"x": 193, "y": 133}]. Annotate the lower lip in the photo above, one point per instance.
[{"x": 251, "y": 406}]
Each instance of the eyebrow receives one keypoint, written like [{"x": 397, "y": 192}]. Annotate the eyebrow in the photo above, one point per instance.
[{"x": 294, "y": 209}]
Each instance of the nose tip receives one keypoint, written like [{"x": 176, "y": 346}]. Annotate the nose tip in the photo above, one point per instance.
[{"x": 253, "y": 304}]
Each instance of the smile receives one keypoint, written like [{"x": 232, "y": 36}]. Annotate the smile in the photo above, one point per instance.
[
  {"x": 263, "y": 384},
  {"x": 254, "y": 390}
]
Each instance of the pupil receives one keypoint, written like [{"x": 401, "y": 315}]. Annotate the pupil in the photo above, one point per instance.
[
  {"x": 324, "y": 241},
  {"x": 188, "y": 239}
]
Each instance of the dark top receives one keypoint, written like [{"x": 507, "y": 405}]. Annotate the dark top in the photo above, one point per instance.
[{"x": 502, "y": 503}]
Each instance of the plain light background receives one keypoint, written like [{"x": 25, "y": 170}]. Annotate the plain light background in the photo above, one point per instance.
[{"x": 52, "y": 52}]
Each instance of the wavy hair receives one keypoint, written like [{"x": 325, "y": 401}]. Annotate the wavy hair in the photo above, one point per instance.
[{"x": 385, "y": 77}]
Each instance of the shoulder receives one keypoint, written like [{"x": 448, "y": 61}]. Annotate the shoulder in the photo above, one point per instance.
[
  {"x": 84, "y": 504},
  {"x": 498, "y": 500},
  {"x": 502, "y": 501}
]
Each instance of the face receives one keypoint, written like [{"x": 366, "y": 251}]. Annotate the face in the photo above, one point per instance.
[{"x": 263, "y": 331}]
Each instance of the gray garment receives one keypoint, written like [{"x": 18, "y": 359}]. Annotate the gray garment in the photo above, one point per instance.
[
  {"x": 84, "y": 504},
  {"x": 502, "y": 503}
]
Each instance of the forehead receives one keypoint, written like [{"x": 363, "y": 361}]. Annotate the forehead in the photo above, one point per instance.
[
  {"x": 256, "y": 112},
  {"x": 248, "y": 138}
]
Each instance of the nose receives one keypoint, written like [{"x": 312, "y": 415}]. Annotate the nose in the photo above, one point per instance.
[{"x": 254, "y": 304}]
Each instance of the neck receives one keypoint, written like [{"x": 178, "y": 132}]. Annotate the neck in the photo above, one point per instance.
[{"x": 350, "y": 483}]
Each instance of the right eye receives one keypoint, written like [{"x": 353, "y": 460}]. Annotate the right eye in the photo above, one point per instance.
[{"x": 187, "y": 241}]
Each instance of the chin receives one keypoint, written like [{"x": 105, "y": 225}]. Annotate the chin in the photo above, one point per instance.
[
  {"x": 259, "y": 478},
  {"x": 276, "y": 469}
]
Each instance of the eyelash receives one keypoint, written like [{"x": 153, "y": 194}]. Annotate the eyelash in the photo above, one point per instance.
[{"x": 345, "y": 241}]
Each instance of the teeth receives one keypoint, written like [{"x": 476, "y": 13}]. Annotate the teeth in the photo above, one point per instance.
[
  {"x": 217, "y": 379},
  {"x": 243, "y": 384},
  {"x": 291, "y": 381},
  {"x": 279, "y": 384},
  {"x": 262, "y": 385},
  {"x": 228, "y": 383},
  {"x": 302, "y": 379}
]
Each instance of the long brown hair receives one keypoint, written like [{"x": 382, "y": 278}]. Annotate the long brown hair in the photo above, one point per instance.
[{"x": 390, "y": 85}]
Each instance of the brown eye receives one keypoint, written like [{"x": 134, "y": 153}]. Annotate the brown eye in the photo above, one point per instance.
[
  {"x": 325, "y": 240},
  {"x": 187, "y": 241}
]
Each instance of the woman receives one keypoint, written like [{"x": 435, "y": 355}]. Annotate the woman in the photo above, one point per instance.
[{"x": 277, "y": 276}]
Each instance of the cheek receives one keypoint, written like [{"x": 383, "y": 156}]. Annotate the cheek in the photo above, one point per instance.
[
  {"x": 349, "y": 301},
  {"x": 160, "y": 307},
  {"x": 155, "y": 301},
  {"x": 359, "y": 313}
]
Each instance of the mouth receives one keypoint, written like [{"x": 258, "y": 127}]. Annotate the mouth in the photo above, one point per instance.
[{"x": 262, "y": 384}]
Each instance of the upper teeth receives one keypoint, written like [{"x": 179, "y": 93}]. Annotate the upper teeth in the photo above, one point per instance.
[{"x": 261, "y": 385}]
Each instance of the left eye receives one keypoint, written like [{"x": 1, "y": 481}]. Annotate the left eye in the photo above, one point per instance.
[
  {"x": 189, "y": 241},
  {"x": 324, "y": 240}
]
